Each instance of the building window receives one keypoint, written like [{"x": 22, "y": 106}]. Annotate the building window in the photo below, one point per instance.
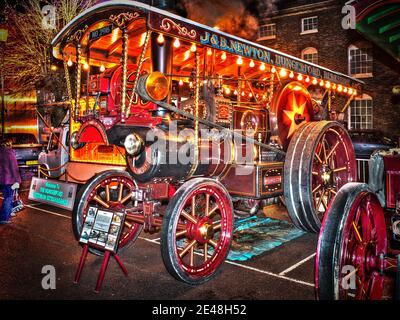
[
  {"x": 267, "y": 31},
  {"x": 360, "y": 62},
  {"x": 309, "y": 25},
  {"x": 360, "y": 113},
  {"x": 310, "y": 55}
]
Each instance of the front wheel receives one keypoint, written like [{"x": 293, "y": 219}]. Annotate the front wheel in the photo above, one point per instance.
[
  {"x": 352, "y": 246},
  {"x": 197, "y": 231},
  {"x": 110, "y": 190}
]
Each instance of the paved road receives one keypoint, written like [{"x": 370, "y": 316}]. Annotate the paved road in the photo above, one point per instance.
[{"x": 41, "y": 235}]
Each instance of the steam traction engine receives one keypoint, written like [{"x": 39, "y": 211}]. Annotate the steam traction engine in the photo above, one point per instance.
[{"x": 180, "y": 125}]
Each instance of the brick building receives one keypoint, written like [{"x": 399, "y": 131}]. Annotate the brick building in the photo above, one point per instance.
[{"x": 312, "y": 30}]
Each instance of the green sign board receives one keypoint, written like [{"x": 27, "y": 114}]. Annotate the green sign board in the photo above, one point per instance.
[{"x": 53, "y": 192}]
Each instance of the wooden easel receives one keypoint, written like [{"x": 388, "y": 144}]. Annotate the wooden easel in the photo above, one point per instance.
[{"x": 103, "y": 268}]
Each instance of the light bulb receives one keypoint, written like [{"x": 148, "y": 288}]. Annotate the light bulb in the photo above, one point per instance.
[
  {"x": 252, "y": 64},
  {"x": 102, "y": 68},
  {"x": 180, "y": 82},
  {"x": 300, "y": 77},
  {"x": 327, "y": 85},
  {"x": 262, "y": 66},
  {"x": 160, "y": 39},
  {"x": 177, "y": 43},
  {"x": 273, "y": 69},
  {"x": 223, "y": 57},
  {"x": 69, "y": 63},
  {"x": 86, "y": 66},
  {"x": 239, "y": 61},
  {"x": 283, "y": 73},
  {"x": 291, "y": 75},
  {"x": 193, "y": 48}
]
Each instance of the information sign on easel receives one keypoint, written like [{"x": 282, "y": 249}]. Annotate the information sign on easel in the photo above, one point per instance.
[{"x": 102, "y": 230}]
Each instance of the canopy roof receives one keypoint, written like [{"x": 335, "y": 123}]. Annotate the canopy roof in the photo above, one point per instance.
[
  {"x": 93, "y": 27},
  {"x": 379, "y": 22}
]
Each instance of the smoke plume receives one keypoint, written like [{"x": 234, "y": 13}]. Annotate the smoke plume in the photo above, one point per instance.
[{"x": 229, "y": 16}]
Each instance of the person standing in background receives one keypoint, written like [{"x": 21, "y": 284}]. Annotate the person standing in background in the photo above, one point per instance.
[{"x": 10, "y": 179}]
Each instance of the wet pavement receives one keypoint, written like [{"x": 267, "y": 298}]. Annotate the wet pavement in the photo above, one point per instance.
[{"x": 42, "y": 235}]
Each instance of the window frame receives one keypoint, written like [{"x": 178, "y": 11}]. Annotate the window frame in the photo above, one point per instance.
[
  {"x": 311, "y": 30},
  {"x": 266, "y": 37},
  {"x": 349, "y": 61},
  {"x": 310, "y": 51},
  {"x": 364, "y": 98}
]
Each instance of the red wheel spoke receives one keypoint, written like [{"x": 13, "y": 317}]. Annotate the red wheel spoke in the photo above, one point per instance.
[
  {"x": 181, "y": 233},
  {"x": 100, "y": 201},
  {"x": 191, "y": 256},
  {"x": 217, "y": 226},
  {"x": 324, "y": 202},
  {"x": 339, "y": 169},
  {"x": 128, "y": 197},
  {"x": 356, "y": 232},
  {"x": 188, "y": 217},
  {"x": 324, "y": 149},
  {"x": 187, "y": 248},
  {"x": 319, "y": 158},
  {"x": 332, "y": 150},
  {"x": 213, "y": 210},
  {"x": 317, "y": 188},
  {"x": 366, "y": 227},
  {"x": 121, "y": 188},
  {"x": 213, "y": 243},
  {"x": 205, "y": 252},
  {"x": 107, "y": 193},
  {"x": 320, "y": 199},
  {"x": 207, "y": 204}
]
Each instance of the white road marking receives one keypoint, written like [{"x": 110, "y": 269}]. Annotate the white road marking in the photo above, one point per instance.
[
  {"x": 49, "y": 212},
  {"x": 297, "y": 265},
  {"x": 279, "y": 276},
  {"x": 251, "y": 268}
]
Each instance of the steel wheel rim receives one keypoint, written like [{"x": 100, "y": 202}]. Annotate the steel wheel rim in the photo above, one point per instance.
[
  {"x": 333, "y": 165},
  {"x": 363, "y": 246},
  {"x": 195, "y": 231},
  {"x": 119, "y": 188}
]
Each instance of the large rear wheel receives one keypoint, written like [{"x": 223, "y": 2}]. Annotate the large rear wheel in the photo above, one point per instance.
[
  {"x": 352, "y": 246},
  {"x": 319, "y": 161}
]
